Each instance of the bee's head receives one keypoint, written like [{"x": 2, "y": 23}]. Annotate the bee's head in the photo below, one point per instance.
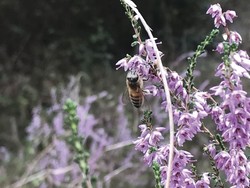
[{"x": 132, "y": 76}]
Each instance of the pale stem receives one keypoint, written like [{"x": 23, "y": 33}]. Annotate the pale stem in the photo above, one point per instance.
[{"x": 166, "y": 88}]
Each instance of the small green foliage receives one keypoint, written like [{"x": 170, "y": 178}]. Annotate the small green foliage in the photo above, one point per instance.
[
  {"x": 194, "y": 171},
  {"x": 134, "y": 22},
  {"x": 152, "y": 149},
  {"x": 81, "y": 155},
  {"x": 228, "y": 49},
  {"x": 147, "y": 119},
  {"x": 193, "y": 60},
  {"x": 219, "y": 139},
  {"x": 157, "y": 174}
]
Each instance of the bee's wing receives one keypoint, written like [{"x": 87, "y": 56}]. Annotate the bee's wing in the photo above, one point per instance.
[
  {"x": 125, "y": 97},
  {"x": 146, "y": 102}
]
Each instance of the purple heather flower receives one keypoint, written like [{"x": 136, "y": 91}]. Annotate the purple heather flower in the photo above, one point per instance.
[
  {"x": 163, "y": 170},
  {"x": 217, "y": 114},
  {"x": 183, "y": 135},
  {"x": 221, "y": 159},
  {"x": 239, "y": 70},
  {"x": 86, "y": 121},
  {"x": 220, "y": 70},
  {"x": 37, "y": 129},
  {"x": 220, "y": 48},
  {"x": 214, "y": 10},
  {"x": 180, "y": 176},
  {"x": 149, "y": 157},
  {"x": 235, "y": 37},
  {"x": 60, "y": 158},
  {"x": 152, "y": 89},
  {"x": 140, "y": 65},
  {"x": 235, "y": 166},
  {"x": 148, "y": 144},
  {"x": 236, "y": 136},
  {"x": 36, "y": 119},
  {"x": 241, "y": 58},
  {"x": 189, "y": 124},
  {"x": 153, "y": 156},
  {"x": 219, "y": 16},
  {"x": 142, "y": 145},
  {"x": 212, "y": 150},
  {"x": 239, "y": 158},
  {"x": 219, "y": 90},
  {"x": 230, "y": 15},
  {"x": 189, "y": 182},
  {"x": 58, "y": 124},
  {"x": 204, "y": 182},
  {"x": 176, "y": 85},
  {"x": 164, "y": 150},
  {"x": 155, "y": 138},
  {"x": 122, "y": 63},
  {"x": 144, "y": 130},
  {"x": 233, "y": 100},
  {"x": 231, "y": 117},
  {"x": 151, "y": 54},
  {"x": 219, "y": 20},
  {"x": 200, "y": 102}
]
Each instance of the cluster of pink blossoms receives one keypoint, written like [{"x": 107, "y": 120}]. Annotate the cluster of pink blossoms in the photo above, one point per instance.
[
  {"x": 188, "y": 121},
  {"x": 219, "y": 16},
  {"x": 232, "y": 115}
]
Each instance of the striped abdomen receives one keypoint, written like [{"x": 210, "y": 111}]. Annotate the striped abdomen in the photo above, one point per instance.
[
  {"x": 136, "y": 98},
  {"x": 135, "y": 85}
]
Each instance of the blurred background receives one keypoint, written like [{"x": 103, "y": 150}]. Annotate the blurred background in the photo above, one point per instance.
[{"x": 54, "y": 49}]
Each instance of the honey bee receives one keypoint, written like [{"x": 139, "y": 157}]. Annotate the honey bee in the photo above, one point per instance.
[{"x": 134, "y": 86}]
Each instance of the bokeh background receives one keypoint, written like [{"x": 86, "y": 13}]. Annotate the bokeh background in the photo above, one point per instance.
[{"x": 54, "y": 49}]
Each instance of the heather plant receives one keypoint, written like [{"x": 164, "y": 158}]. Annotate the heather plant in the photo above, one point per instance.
[
  {"x": 187, "y": 107},
  {"x": 70, "y": 143},
  {"x": 76, "y": 141},
  {"x": 90, "y": 141}
]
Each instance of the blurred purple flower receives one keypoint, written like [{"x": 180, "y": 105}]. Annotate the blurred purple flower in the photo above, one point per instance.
[
  {"x": 220, "y": 48},
  {"x": 241, "y": 58},
  {"x": 212, "y": 150},
  {"x": 214, "y": 10},
  {"x": 189, "y": 124},
  {"x": 37, "y": 130},
  {"x": 122, "y": 63},
  {"x": 204, "y": 182},
  {"x": 58, "y": 124},
  {"x": 231, "y": 117},
  {"x": 219, "y": 20},
  {"x": 230, "y": 15},
  {"x": 235, "y": 166},
  {"x": 235, "y": 37},
  {"x": 181, "y": 177},
  {"x": 140, "y": 65},
  {"x": 151, "y": 54},
  {"x": 220, "y": 17}
]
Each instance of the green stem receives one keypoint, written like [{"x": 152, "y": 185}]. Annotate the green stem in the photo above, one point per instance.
[
  {"x": 81, "y": 155},
  {"x": 192, "y": 61},
  {"x": 157, "y": 174}
]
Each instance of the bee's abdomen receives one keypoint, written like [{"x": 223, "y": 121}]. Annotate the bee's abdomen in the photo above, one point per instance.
[{"x": 136, "y": 100}]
